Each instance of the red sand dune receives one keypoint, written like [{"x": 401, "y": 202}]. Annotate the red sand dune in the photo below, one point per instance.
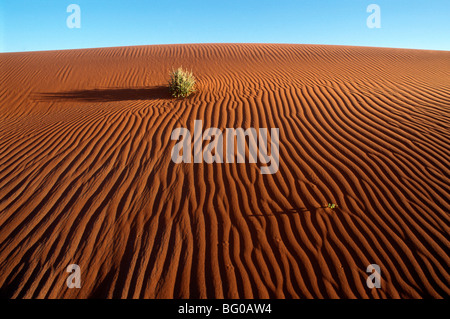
[{"x": 86, "y": 175}]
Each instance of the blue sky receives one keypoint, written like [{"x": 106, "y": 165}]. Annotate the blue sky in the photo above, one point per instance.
[{"x": 31, "y": 25}]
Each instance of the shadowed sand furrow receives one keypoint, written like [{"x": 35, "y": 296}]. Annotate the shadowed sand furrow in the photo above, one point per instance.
[{"x": 86, "y": 175}]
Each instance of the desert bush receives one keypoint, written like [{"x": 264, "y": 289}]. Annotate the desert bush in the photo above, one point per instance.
[{"x": 181, "y": 83}]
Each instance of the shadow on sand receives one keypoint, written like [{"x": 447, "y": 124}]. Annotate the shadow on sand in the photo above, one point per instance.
[
  {"x": 108, "y": 95},
  {"x": 290, "y": 211}
]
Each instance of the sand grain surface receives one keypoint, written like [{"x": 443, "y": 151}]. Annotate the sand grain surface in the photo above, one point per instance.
[{"x": 86, "y": 175}]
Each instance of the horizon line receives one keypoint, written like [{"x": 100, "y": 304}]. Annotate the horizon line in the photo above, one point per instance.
[{"x": 225, "y": 43}]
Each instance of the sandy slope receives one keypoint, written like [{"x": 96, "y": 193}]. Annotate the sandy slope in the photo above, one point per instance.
[{"x": 86, "y": 175}]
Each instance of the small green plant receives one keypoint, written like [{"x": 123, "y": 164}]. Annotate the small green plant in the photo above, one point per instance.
[
  {"x": 181, "y": 83},
  {"x": 332, "y": 205}
]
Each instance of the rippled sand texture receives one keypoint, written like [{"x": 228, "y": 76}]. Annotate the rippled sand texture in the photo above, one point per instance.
[{"x": 86, "y": 175}]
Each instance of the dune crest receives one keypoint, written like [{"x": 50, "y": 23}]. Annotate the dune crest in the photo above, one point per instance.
[{"x": 86, "y": 175}]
